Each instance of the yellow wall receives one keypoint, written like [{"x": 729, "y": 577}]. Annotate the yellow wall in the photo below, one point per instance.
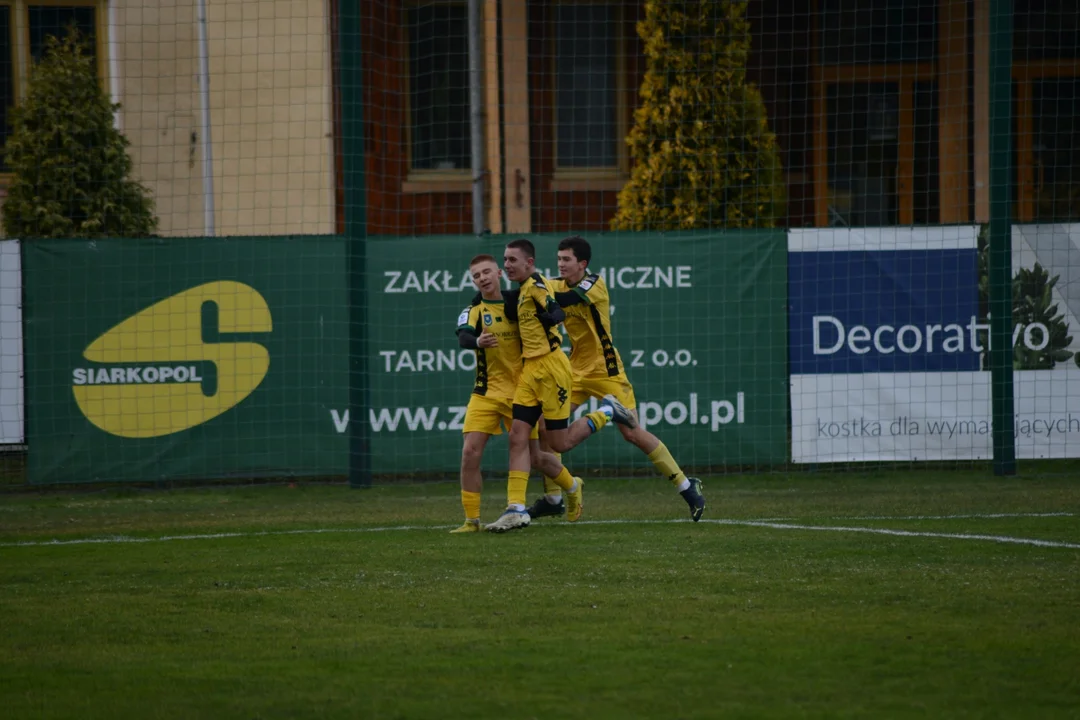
[{"x": 270, "y": 102}]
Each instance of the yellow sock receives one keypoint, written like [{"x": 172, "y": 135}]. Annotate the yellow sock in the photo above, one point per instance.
[
  {"x": 599, "y": 419},
  {"x": 666, "y": 465},
  {"x": 471, "y": 502},
  {"x": 565, "y": 480},
  {"x": 516, "y": 487},
  {"x": 551, "y": 487}
]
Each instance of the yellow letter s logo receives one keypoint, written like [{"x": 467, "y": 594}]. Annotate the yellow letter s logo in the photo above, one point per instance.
[{"x": 149, "y": 378}]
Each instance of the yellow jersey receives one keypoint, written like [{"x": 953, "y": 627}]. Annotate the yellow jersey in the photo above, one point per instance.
[
  {"x": 589, "y": 326},
  {"x": 497, "y": 368},
  {"x": 536, "y": 340}
]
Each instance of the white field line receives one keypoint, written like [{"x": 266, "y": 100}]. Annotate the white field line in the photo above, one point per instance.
[
  {"x": 773, "y": 525},
  {"x": 903, "y": 533},
  {"x": 121, "y": 539},
  {"x": 975, "y": 516}
]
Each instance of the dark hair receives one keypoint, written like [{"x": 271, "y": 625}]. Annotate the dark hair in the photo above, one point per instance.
[
  {"x": 483, "y": 258},
  {"x": 524, "y": 245},
  {"x": 579, "y": 245}
]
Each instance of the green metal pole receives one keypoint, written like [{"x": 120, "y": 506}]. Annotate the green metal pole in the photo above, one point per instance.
[
  {"x": 1000, "y": 245},
  {"x": 352, "y": 148}
]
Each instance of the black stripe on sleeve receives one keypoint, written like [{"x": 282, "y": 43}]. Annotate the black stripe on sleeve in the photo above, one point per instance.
[{"x": 611, "y": 360}]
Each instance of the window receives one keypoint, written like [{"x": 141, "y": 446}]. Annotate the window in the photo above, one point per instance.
[
  {"x": 877, "y": 145},
  {"x": 863, "y": 132},
  {"x": 1045, "y": 30},
  {"x": 1047, "y": 131},
  {"x": 926, "y": 181},
  {"x": 857, "y": 32},
  {"x": 54, "y": 20},
  {"x": 41, "y": 21},
  {"x": 586, "y": 80},
  {"x": 877, "y": 160},
  {"x": 1056, "y": 110},
  {"x": 438, "y": 93},
  {"x": 1046, "y": 90}
]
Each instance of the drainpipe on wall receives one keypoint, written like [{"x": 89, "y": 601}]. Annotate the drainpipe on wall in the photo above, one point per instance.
[
  {"x": 114, "y": 63},
  {"x": 204, "y": 122},
  {"x": 476, "y": 116}
]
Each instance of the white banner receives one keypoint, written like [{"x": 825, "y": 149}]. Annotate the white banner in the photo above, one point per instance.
[
  {"x": 929, "y": 416},
  {"x": 11, "y": 345},
  {"x": 888, "y": 337}
]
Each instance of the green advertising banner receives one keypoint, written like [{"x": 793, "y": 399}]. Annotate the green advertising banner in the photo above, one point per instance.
[
  {"x": 183, "y": 358},
  {"x": 207, "y": 358},
  {"x": 698, "y": 319}
]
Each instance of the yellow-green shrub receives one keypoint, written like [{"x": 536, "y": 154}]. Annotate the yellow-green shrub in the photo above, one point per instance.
[
  {"x": 703, "y": 152},
  {"x": 70, "y": 167}
]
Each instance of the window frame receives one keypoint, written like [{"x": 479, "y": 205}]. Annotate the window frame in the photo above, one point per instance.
[
  {"x": 611, "y": 177},
  {"x": 949, "y": 68},
  {"x": 1024, "y": 75},
  {"x": 427, "y": 180},
  {"x": 905, "y": 76}
]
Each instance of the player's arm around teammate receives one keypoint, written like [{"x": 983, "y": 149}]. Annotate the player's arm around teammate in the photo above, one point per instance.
[
  {"x": 543, "y": 390},
  {"x": 599, "y": 372},
  {"x": 549, "y": 463},
  {"x": 490, "y": 327}
]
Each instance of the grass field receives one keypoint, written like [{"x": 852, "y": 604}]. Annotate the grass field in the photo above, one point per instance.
[{"x": 892, "y": 594}]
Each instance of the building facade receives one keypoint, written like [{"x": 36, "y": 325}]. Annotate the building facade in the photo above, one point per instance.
[
  {"x": 880, "y": 107},
  {"x": 271, "y": 130}
]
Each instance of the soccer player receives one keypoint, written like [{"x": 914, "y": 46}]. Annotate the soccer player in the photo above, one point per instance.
[
  {"x": 598, "y": 371},
  {"x": 543, "y": 389},
  {"x": 486, "y": 327}
]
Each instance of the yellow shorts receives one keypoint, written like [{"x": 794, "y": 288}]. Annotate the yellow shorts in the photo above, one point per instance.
[
  {"x": 490, "y": 416},
  {"x": 617, "y": 385},
  {"x": 546, "y": 382}
]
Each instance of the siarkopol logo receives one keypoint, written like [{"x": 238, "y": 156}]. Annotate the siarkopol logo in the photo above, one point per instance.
[{"x": 177, "y": 364}]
